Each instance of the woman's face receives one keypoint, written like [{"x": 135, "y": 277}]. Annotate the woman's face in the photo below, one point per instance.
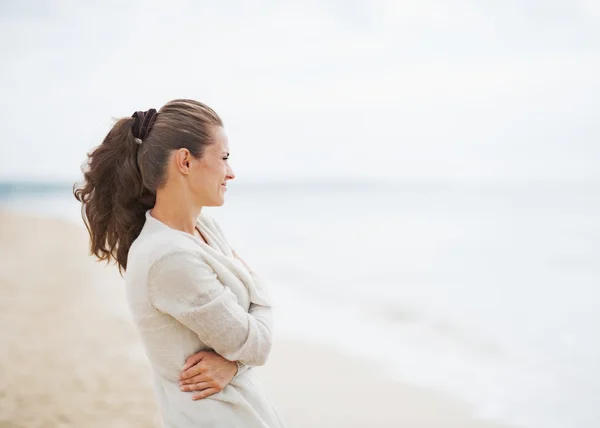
[{"x": 211, "y": 173}]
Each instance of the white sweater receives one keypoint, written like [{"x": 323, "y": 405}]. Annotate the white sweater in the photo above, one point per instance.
[{"x": 186, "y": 296}]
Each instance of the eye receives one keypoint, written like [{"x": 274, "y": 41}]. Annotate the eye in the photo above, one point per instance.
[{"x": 226, "y": 158}]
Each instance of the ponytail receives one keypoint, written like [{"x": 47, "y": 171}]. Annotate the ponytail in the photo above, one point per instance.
[{"x": 113, "y": 196}]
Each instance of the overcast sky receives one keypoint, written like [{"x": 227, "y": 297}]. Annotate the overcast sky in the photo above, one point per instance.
[{"x": 415, "y": 89}]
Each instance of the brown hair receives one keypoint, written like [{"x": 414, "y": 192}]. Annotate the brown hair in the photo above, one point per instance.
[{"x": 122, "y": 175}]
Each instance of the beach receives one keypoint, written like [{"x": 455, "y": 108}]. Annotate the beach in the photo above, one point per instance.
[{"x": 71, "y": 357}]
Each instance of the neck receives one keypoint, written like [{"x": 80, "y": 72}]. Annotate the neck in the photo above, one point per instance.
[{"x": 176, "y": 210}]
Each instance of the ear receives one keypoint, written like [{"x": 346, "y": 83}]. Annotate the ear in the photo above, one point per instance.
[{"x": 183, "y": 159}]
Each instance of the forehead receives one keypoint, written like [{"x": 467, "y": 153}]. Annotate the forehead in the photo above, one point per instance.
[{"x": 220, "y": 141}]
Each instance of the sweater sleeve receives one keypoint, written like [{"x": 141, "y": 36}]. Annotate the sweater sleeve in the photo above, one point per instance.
[
  {"x": 182, "y": 285},
  {"x": 258, "y": 291},
  {"x": 241, "y": 368}
]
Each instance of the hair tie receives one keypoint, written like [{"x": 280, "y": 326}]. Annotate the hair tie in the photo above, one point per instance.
[{"x": 143, "y": 123}]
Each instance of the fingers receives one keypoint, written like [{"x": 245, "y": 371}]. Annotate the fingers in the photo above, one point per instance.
[
  {"x": 194, "y": 359},
  {"x": 193, "y": 365},
  {"x": 206, "y": 393},
  {"x": 202, "y": 377},
  {"x": 191, "y": 372},
  {"x": 199, "y": 386}
]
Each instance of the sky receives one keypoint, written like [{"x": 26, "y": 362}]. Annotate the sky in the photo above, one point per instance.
[{"x": 393, "y": 90}]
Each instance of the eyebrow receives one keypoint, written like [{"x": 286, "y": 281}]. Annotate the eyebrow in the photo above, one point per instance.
[{"x": 225, "y": 153}]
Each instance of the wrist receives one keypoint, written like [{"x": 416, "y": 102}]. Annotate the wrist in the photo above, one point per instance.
[{"x": 240, "y": 368}]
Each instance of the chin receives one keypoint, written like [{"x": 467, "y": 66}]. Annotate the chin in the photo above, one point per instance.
[{"x": 217, "y": 203}]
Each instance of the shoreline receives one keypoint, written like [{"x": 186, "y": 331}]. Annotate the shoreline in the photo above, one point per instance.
[{"x": 73, "y": 359}]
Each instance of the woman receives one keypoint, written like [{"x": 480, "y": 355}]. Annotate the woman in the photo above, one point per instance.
[{"x": 203, "y": 315}]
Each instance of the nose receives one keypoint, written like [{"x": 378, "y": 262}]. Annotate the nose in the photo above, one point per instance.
[{"x": 230, "y": 174}]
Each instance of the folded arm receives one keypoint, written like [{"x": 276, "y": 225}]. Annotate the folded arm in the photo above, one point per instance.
[{"x": 182, "y": 285}]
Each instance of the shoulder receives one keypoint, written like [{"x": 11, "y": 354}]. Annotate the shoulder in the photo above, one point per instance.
[
  {"x": 177, "y": 264},
  {"x": 179, "y": 278},
  {"x": 164, "y": 245}
]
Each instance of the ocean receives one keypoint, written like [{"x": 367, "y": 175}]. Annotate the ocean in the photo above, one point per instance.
[{"x": 487, "y": 291}]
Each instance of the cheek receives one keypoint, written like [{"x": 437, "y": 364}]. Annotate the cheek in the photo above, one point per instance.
[
  {"x": 199, "y": 180},
  {"x": 218, "y": 172},
  {"x": 207, "y": 178}
]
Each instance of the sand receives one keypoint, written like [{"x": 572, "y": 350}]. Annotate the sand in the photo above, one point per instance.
[{"x": 70, "y": 356}]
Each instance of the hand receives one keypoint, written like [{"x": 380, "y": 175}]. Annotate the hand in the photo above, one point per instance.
[
  {"x": 207, "y": 372},
  {"x": 241, "y": 260}
]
